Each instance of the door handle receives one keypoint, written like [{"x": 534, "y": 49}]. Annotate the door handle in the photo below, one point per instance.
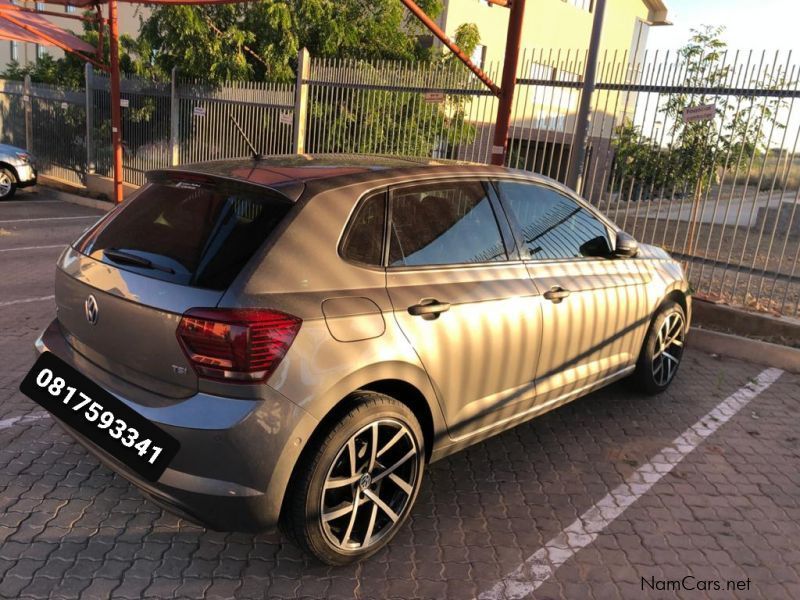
[
  {"x": 429, "y": 309},
  {"x": 556, "y": 294}
]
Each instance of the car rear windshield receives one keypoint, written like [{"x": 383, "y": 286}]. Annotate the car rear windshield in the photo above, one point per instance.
[{"x": 200, "y": 235}]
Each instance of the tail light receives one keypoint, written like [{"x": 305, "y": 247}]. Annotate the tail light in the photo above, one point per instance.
[{"x": 237, "y": 345}]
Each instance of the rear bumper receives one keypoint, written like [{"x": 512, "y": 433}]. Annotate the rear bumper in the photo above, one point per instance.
[{"x": 235, "y": 457}]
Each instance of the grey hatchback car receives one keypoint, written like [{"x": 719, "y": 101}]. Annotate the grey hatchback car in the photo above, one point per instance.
[{"x": 312, "y": 331}]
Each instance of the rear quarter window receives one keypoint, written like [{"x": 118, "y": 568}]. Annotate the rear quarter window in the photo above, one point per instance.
[
  {"x": 363, "y": 241},
  {"x": 187, "y": 233}
]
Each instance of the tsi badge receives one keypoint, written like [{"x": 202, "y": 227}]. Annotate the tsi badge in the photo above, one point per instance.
[{"x": 91, "y": 310}]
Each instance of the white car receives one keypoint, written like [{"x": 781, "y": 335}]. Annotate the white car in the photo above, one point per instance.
[{"x": 17, "y": 170}]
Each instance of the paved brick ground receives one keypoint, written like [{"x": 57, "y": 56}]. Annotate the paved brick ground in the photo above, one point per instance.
[{"x": 70, "y": 528}]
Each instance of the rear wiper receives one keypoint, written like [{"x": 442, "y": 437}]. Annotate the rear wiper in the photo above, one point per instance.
[{"x": 120, "y": 256}]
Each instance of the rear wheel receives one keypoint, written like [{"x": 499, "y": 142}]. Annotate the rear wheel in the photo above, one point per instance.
[
  {"x": 357, "y": 486},
  {"x": 8, "y": 184},
  {"x": 662, "y": 352}
]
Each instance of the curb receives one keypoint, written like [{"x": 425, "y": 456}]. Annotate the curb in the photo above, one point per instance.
[
  {"x": 738, "y": 321},
  {"x": 80, "y": 200},
  {"x": 754, "y": 351}
]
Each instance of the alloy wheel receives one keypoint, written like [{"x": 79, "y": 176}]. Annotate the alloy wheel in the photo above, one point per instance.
[
  {"x": 669, "y": 348},
  {"x": 5, "y": 184},
  {"x": 370, "y": 485}
]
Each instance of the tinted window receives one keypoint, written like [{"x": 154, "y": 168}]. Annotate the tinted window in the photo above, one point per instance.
[
  {"x": 450, "y": 223},
  {"x": 364, "y": 241},
  {"x": 553, "y": 225},
  {"x": 190, "y": 234}
]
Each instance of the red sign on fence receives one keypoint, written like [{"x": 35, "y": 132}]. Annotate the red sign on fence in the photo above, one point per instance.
[
  {"x": 704, "y": 112},
  {"x": 434, "y": 97}
]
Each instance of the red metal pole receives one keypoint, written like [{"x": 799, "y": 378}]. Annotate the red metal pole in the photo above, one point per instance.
[
  {"x": 116, "y": 115},
  {"x": 437, "y": 31},
  {"x": 100, "y": 32},
  {"x": 509, "y": 82}
]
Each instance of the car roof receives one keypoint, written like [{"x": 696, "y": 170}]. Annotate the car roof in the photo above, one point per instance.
[{"x": 289, "y": 174}]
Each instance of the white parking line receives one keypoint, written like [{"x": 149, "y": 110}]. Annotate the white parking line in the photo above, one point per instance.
[
  {"x": 32, "y": 202},
  {"x": 26, "y": 300},
  {"x": 541, "y": 565},
  {"x": 32, "y": 248},
  {"x": 6, "y": 423},
  {"x": 50, "y": 219}
]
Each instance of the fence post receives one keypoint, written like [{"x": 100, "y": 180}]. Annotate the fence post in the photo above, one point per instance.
[
  {"x": 174, "y": 118},
  {"x": 301, "y": 101},
  {"x": 88, "y": 74},
  {"x": 27, "y": 102}
]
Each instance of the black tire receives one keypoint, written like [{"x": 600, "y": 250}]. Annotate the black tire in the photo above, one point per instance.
[
  {"x": 355, "y": 535},
  {"x": 658, "y": 365},
  {"x": 8, "y": 184}
]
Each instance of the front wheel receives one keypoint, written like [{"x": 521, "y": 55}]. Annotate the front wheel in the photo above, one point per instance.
[
  {"x": 662, "y": 352},
  {"x": 356, "y": 487},
  {"x": 8, "y": 184}
]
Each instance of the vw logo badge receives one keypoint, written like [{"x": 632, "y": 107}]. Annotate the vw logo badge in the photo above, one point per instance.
[{"x": 90, "y": 309}]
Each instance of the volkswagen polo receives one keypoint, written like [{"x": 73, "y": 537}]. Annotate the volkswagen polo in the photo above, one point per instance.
[{"x": 294, "y": 339}]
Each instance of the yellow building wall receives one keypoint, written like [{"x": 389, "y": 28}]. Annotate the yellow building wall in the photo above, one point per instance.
[
  {"x": 555, "y": 36},
  {"x": 548, "y": 24}
]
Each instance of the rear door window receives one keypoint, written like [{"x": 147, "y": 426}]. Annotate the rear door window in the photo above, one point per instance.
[
  {"x": 199, "y": 235},
  {"x": 444, "y": 223}
]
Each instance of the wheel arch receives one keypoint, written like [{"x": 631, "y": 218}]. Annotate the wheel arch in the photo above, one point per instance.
[
  {"x": 679, "y": 292},
  {"x": 10, "y": 167},
  {"x": 403, "y": 391},
  {"x": 676, "y": 296}
]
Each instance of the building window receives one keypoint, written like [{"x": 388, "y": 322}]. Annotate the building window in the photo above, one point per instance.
[
  {"x": 40, "y": 51},
  {"x": 40, "y": 6},
  {"x": 14, "y": 50},
  {"x": 587, "y": 5},
  {"x": 542, "y": 71},
  {"x": 568, "y": 76},
  {"x": 479, "y": 56},
  {"x": 69, "y": 8}
]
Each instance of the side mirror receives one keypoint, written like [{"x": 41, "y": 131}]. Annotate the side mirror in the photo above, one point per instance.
[{"x": 626, "y": 246}]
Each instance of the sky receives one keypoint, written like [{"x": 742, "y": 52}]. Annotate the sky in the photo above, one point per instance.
[{"x": 750, "y": 24}]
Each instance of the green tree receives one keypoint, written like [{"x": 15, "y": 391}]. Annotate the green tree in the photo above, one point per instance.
[
  {"x": 698, "y": 151},
  {"x": 399, "y": 122},
  {"x": 260, "y": 40}
]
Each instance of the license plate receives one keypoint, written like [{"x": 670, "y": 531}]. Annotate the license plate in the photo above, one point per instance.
[{"x": 99, "y": 416}]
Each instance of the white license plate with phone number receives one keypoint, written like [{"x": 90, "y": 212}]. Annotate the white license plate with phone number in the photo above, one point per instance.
[{"x": 99, "y": 416}]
